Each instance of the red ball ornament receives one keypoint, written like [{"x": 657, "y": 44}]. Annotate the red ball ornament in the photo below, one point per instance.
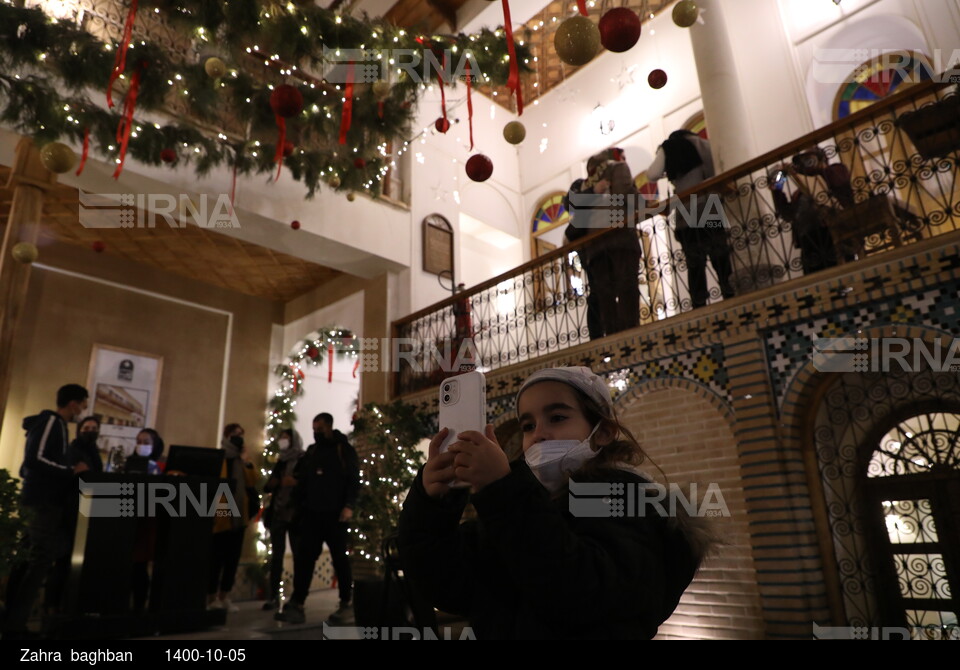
[
  {"x": 442, "y": 125},
  {"x": 657, "y": 79},
  {"x": 287, "y": 148},
  {"x": 359, "y": 163},
  {"x": 619, "y": 29},
  {"x": 168, "y": 156},
  {"x": 295, "y": 225},
  {"x": 479, "y": 167},
  {"x": 286, "y": 101},
  {"x": 98, "y": 246},
  {"x": 313, "y": 352}
]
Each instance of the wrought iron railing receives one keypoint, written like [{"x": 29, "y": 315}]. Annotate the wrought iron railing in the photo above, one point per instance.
[{"x": 881, "y": 178}]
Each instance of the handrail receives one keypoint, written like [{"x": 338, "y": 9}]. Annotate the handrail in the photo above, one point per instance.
[{"x": 810, "y": 139}]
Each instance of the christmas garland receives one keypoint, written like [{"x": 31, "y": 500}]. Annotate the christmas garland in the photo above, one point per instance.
[
  {"x": 313, "y": 350},
  {"x": 49, "y": 67}
]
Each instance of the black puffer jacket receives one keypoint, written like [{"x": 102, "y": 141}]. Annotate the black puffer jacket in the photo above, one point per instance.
[{"x": 528, "y": 569}]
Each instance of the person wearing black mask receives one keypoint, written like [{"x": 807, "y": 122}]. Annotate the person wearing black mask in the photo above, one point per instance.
[
  {"x": 328, "y": 480},
  {"x": 228, "y": 530}
]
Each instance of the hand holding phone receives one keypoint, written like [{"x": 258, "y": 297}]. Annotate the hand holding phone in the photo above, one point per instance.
[{"x": 463, "y": 407}]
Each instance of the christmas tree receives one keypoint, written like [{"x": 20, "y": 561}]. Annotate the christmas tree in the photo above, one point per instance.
[{"x": 387, "y": 438}]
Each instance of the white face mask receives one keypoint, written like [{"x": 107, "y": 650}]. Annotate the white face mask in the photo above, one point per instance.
[
  {"x": 283, "y": 444},
  {"x": 144, "y": 450},
  {"x": 552, "y": 461}
]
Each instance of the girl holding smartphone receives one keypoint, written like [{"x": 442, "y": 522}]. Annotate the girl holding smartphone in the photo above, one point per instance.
[{"x": 527, "y": 567}]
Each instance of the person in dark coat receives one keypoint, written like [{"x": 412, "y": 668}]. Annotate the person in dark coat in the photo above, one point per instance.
[
  {"x": 48, "y": 484},
  {"x": 612, "y": 263},
  {"x": 328, "y": 480},
  {"x": 527, "y": 567},
  {"x": 83, "y": 449},
  {"x": 279, "y": 517},
  {"x": 687, "y": 161}
]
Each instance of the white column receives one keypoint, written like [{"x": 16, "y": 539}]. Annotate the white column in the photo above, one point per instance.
[{"x": 728, "y": 123}]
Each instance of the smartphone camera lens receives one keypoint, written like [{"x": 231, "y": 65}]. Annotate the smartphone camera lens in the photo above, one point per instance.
[
  {"x": 446, "y": 398},
  {"x": 446, "y": 387}
]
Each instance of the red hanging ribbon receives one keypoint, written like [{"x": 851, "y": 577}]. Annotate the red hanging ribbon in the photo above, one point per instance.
[
  {"x": 443, "y": 94},
  {"x": 582, "y": 6},
  {"x": 281, "y": 140},
  {"x": 330, "y": 360},
  {"x": 469, "y": 102},
  {"x": 86, "y": 150},
  {"x": 380, "y": 109},
  {"x": 513, "y": 81},
  {"x": 356, "y": 366},
  {"x": 120, "y": 62},
  {"x": 298, "y": 376},
  {"x": 126, "y": 118},
  {"x": 347, "y": 114}
]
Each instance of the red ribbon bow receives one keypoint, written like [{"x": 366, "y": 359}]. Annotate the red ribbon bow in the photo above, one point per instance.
[
  {"x": 86, "y": 150},
  {"x": 513, "y": 80},
  {"x": 120, "y": 62},
  {"x": 347, "y": 115},
  {"x": 126, "y": 117}
]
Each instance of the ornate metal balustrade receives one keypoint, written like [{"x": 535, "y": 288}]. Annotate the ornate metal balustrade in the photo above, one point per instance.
[{"x": 879, "y": 179}]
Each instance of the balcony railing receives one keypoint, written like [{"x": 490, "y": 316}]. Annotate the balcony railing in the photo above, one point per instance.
[{"x": 879, "y": 179}]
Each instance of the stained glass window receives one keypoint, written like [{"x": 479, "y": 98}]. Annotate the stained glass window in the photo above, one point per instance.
[
  {"x": 550, "y": 214},
  {"x": 879, "y": 78}
]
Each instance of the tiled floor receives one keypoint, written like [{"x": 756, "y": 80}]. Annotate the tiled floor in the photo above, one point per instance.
[{"x": 252, "y": 623}]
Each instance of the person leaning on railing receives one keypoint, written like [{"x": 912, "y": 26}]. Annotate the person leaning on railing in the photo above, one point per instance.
[
  {"x": 612, "y": 262},
  {"x": 810, "y": 232},
  {"x": 686, "y": 160}
]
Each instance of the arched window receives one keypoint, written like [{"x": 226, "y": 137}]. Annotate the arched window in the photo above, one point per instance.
[
  {"x": 913, "y": 507},
  {"x": 878, "y": 78}
]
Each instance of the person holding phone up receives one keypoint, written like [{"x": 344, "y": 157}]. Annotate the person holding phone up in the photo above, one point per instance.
[{"x": 527, "y": 567}]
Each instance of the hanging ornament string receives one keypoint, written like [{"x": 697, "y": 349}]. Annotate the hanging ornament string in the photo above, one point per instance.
[
  {"x": 126, "y": 118},
  {"x": 86, "y": 150},
  {"x": 347, "y": 114},
  {"x": 582, "y": 6},
  {"x": 120, "y": 62},
  {"x": 443, "y": 95},
  {"x": 513, "y": 80},
  {"x": 469, "y": 102},
  {"x": 330, "y": 362}
]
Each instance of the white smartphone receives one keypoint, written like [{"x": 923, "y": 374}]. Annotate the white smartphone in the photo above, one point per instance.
[{"x": 463, "y": 406}]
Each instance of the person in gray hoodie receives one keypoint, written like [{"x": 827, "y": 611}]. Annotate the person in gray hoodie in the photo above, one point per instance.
[{"x": 279, "y": 516}]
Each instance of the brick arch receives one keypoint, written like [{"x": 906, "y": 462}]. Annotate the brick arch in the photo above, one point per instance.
[
  {"x": 684, "y": 432},
  {"x": 635, "y": 392},
  {"x": 798, "y": 415},
  {"x": 808, "y": 383}
]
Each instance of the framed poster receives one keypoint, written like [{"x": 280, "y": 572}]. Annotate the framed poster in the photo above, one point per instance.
[
  {"x": 124, "y": 388},
  {"x": 437, "y": 245}
]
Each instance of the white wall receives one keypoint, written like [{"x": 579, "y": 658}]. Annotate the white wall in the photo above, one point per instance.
[{"x": 878, "y": 26}]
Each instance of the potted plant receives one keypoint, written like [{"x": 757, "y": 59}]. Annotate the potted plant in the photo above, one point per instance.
[{"x": 12, "y": 527}]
